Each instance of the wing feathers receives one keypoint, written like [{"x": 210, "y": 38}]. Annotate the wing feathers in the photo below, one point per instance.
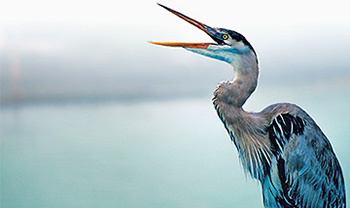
[
  {"x": 281, "y": 128},
  {"x": 306, "y": 172}
]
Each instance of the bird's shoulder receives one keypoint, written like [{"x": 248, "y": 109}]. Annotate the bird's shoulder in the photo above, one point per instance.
[
  {"x": 274, "y": 110},
  {"x": 284, "y": 120},
  {"x": 288, "y": 124},
  {"x": 287, "y": 120}
]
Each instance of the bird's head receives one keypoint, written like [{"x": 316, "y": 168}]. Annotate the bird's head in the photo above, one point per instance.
[{"x": 228, "y": 47}]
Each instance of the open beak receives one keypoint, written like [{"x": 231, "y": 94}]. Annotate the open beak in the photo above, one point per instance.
[{"x": 209, "y": 30}]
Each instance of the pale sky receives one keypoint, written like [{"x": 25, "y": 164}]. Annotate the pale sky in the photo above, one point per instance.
[
  {"x": 143, "y": 20},
  {"x": 266, "y": 24},
  {"x": 118, "y": 12},
  {"x": 110, "y": 36},
  {"x": 247, "y": 14}
]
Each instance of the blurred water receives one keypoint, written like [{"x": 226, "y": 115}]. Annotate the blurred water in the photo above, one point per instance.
[{"x": 150, "y": 154}]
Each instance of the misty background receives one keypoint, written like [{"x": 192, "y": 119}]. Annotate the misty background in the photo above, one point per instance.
[
  {"x": 75, "y": 52},
  {"x": 92, "y": 115}
]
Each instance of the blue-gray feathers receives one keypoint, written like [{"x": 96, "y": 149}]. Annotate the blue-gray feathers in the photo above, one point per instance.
[{"x": 305, "y": 172}]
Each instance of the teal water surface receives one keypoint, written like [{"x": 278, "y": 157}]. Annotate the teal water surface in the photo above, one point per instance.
[{"x": 144, "y": 154}]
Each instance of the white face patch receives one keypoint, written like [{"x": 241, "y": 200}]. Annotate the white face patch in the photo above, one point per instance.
[{"x": 240, "y": 46}]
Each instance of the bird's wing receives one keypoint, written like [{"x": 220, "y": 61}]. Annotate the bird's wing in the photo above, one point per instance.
[{"x": 306, "y": 172}]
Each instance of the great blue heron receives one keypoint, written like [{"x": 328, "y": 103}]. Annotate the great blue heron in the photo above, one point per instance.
[{"x": 281, "y": 146}]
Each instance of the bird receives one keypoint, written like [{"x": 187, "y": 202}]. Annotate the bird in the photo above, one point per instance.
[{"x": 281, "y": 146}]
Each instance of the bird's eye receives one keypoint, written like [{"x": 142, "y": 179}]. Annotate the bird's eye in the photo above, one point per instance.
[{"x": 224, "y": 36}]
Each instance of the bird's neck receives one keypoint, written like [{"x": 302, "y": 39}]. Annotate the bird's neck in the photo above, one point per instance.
[
  {"x": 236, "y": 91},
  {"x": 245, "y": 129},
  {"x": 230, "y": 96}
]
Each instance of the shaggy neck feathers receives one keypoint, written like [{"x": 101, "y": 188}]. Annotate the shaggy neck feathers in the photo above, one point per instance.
[{"x": 245, "y": 129}]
